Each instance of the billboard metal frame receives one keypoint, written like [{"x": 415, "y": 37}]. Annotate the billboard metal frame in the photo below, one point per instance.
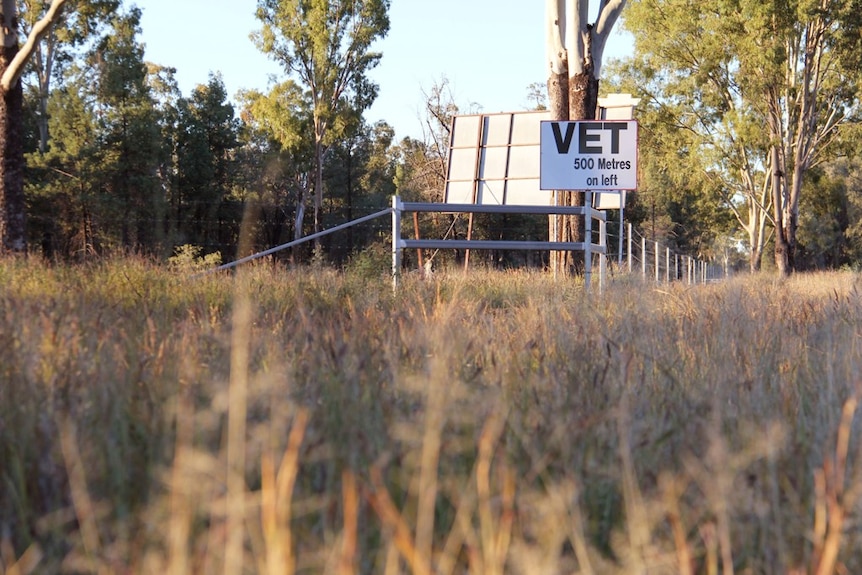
[{"x": 399, "y": 244}]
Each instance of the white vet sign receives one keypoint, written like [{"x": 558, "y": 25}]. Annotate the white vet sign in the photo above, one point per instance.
[{"x": 589, "y": 155}]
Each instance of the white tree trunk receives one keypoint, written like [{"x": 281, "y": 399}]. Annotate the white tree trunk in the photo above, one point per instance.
[
  {"x": 555, "y": 30},
  {"x": 10, "y": 34}
]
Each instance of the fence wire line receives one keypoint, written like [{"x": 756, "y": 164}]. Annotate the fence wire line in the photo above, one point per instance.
[
  {"x": 663, "y": 258},
  {"x": 691, "y": 268},
  {"x": 301, "y": 240}
]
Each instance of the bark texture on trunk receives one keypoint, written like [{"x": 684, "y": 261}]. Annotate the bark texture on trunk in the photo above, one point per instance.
[
  {"x": 558, "y": 97},
  {"x": 583, "y": 95},
  {"x": 583, "y": 103},
  {"x": 558, "y": 106},
  {"x": 12, "y": 220},
  {"x": 782, "y": 248}
]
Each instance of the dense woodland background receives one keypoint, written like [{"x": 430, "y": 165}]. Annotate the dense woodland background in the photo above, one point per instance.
[{"x": 119, "y": 160}]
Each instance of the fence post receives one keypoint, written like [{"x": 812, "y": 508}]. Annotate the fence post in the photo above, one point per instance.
[
  {"x": 630, "y": 248},
  {"x": 396, "y": 240},
  {"x": 622, "y": 231},
  {"x": 603, "y": 257},
  {"x": 657, "y": 264},
  {"x": 588, "y": 238},
  {"x": 643, "y": 257}
]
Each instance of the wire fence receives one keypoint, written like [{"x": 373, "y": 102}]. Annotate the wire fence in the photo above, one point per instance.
[
  {"x": 655, "y": 261},
  {"x": 632, "y": 253}
]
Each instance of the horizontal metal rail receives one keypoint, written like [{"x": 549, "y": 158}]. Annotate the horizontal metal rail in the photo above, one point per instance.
[
  {"x": 497, "y": 245},
  {"x": 589, "y": 213},
  {"x": 501, "y": 209}
]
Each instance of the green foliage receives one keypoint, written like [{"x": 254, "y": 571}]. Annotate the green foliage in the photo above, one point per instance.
[
  {"x": 371, "y": 263},
  {"x": 284, "y": 114},
  {"x": 683, "y": 199},
  {"x": 360, "y": 177},
  {"x": 326, "y": 46},
  {"x": 203, "y": 208},
  {"x": 752, "y": 84},
  {"x": 136, "y": 165},
  {"x": 78, "y": 24},
  {"x": 64, "y": 196},
  {"x": 99, "y": 171},
  {"x": 823, "y": 222},
  {"x": 189, "y": 258},
  {"x": 81, "y": 21}
]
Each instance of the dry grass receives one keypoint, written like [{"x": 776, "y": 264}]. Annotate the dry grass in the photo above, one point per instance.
[{"x": 483, "y": 424}]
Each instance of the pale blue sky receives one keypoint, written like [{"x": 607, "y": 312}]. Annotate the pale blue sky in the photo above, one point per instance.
[{"x": 490, "y": 50}]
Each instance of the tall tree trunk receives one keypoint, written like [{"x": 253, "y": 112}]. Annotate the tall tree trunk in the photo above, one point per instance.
[
  {"x": 44, "y": 68},
  {"x": 350, "y": 236},
  {"x": 12, "y": 61},
  {"x": 558, "y": 100},
  {"x": 583, "y": 102},
  {"x": 318, "y": 189},
  {"x": 12, "y": 216},
  {"x": 756, "y": 235},
  {"x": 782, "y": 248}
]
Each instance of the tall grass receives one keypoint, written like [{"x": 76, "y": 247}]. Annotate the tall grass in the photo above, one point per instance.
[{"x": 482, "y": 423}]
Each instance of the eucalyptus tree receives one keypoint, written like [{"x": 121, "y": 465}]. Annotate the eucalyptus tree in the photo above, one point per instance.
[
  {"x": 575, "y": 49},
  {"x": 763, "y": 87},
  {"x": 280, "y": 120},
  {"x": 78, "y": 23},
  {"x": 96, "y": 185},
  {"x": 815, "y": 65},
  {"x": 13, "y": 59},
  {"x": 326, "y": 46},
  {"x": 166, "y": 94}
]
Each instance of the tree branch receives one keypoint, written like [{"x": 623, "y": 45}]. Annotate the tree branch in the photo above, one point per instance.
[
  {"x": 608, "y": 16},
  {"x": 16, "y": 66}
]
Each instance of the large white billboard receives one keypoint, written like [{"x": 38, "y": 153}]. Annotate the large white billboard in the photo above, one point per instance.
[
  {"x": 494, "y": 160},
  {"x": 588, "y": 155}
]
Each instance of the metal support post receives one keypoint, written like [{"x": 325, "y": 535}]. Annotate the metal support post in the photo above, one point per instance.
[
  {"x": 643, "y": 257},
  {"x": 588, "y": 239},
  {"x": 603, "y": 257},
  {"x": 396, "y": 240},
  {"x": 630, "y": 247}
]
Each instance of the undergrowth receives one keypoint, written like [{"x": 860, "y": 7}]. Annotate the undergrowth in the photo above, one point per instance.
[{"x": 274, "y": 420}]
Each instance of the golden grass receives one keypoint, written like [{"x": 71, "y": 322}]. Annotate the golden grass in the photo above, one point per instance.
[{"x": 310, "y": 421}]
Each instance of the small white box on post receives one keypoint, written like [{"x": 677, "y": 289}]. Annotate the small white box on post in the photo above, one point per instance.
[{"x": 617, "y": 107}]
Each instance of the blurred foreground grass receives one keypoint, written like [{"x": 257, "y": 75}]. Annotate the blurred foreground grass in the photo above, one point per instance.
[{"x": 280, "y": 421}]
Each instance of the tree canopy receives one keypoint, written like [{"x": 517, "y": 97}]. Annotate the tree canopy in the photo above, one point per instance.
[
  {"x": 748, "y": 131},
  {"x": 763, "y": 89},
  {"x": 326, "y": 46}
]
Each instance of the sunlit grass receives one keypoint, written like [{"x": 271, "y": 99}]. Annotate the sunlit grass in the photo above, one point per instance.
[{"x": 490, "y": 422}]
